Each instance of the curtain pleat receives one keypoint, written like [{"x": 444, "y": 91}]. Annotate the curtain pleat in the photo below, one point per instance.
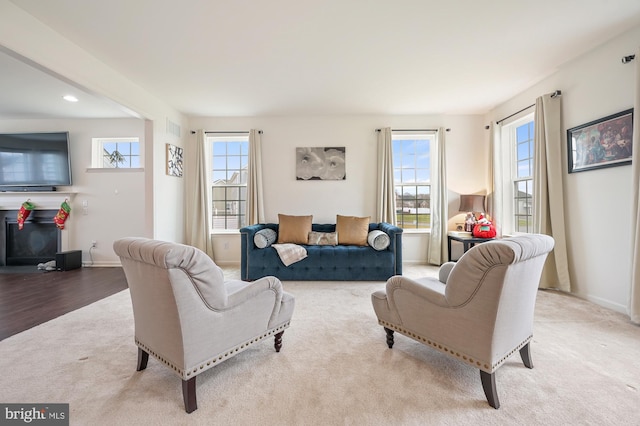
[
  {"x": 386, "y": 199},
  {"x": 548, "y": 198},
  {"x": 198, "y": 216},
  {"x": 439, "y": 204},
  {"x": 255, "y": 194},
  {"x": 634, "y": 297}
]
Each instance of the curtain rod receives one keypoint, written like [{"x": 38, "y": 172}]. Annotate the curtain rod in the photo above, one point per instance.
[
  {"x": 414, "y": 130},
  {"x": 628, "y": 58},
  {"x": 207, "y": 132},
  {"x": 553, "y": 95}
]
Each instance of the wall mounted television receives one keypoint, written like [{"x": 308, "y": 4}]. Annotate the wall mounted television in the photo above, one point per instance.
[{"x": 34, "y": 161}]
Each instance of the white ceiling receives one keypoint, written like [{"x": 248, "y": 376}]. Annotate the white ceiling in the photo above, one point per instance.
[
  {"x": 283, "y": 57},
  {"x": 29, "y": 91}
]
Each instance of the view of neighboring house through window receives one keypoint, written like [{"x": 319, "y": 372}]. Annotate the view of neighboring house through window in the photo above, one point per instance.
[
  {"x": 116, "y": 153},
  {"x": 412, "y": 178},
  {"x": 523, "y": 176},
  {"x": 229, "y": 187}
]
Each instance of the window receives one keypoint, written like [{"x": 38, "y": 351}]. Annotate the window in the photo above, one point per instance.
[
  {"x": 523, "y": 178},
  {"x": 229, "y": 181},
  {"x": 412, "y": 178},
  {"x": 116, "y": 153}
]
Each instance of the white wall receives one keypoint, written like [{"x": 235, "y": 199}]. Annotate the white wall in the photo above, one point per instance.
[
  {"x": 597, "y": 202},
  {"x": 467, "y": 159},
  {"x": 115, "y": 198}
]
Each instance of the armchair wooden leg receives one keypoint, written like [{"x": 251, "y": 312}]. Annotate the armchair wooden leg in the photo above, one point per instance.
[
  {"x": 143, "y": 359},
  {"x": 189, "y": 395},
  {"x": 489, "y": 387},
  {"x": 278, "y": 342},
  {"x": 525, "y": 354},
  {"x": 389, "y": 337}
]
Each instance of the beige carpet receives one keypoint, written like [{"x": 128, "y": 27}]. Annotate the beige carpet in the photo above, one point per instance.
[{"x": 334, "y": 369}]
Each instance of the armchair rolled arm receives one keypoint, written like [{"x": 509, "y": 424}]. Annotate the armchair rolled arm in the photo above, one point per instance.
[
  {"x": 240, "y": 292},
  {"x": 445, "y": 270},
  {"x": 429, "y": 289}
]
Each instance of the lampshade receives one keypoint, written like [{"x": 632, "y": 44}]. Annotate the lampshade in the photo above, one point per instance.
[{"x": 472, "y": 203}]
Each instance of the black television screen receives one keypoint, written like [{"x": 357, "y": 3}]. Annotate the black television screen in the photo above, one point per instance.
[{"x": 34, "y": 160}]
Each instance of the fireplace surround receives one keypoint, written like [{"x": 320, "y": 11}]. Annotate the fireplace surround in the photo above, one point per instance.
[{"x": 37, "y": 242}]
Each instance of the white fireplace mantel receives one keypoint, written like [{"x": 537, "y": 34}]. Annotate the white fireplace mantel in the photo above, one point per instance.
[{"x": 42, "y": 200}]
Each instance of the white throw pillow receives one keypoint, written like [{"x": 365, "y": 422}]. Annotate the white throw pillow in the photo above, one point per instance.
[
  {"x": 264, "y": 238},
  {"x": 378, "y": 239}
]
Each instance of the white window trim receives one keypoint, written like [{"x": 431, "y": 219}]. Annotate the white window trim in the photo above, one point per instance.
[
  {"x": 223, "y": 137},
  {"x": 96, "y": 155},
  {"x": 411, "y": 135},
  {"x": 114, "y": 170}
]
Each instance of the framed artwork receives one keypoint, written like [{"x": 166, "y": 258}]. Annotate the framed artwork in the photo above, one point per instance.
[
  {"x": 606, "y": 142},
  {"x": 327, "y": 163},
  {"x": 174, "y": 160}
]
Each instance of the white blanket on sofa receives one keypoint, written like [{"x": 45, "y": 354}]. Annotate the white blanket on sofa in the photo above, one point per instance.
[{"x": 290, "y": 253}]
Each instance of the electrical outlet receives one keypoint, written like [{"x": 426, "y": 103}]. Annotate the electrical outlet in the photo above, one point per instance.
[{"x": 93, "y": 244}]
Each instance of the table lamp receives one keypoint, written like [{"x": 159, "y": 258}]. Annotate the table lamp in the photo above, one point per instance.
[{"x": 471, "y": 204}]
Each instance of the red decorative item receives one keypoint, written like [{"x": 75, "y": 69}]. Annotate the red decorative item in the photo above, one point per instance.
[
  {"x": 484, "y": 228},
  {"x": 24, "y": 212},
  {"x": 62, "y": 215}
]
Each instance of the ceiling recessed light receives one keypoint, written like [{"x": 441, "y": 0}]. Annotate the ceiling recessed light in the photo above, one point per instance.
[{"x": 70, "y": 98}]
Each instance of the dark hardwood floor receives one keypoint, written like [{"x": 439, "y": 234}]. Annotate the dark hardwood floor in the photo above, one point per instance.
[{"x": 32, "y": 298}]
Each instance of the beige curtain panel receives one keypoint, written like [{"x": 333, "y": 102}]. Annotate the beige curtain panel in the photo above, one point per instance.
[
  {"x": 439, "y": 202},
  {"x": 548, "y": 198},
  {"x": 386, "y": 197},
  {"x": 495, "y": 193},
  {"x": 198, "y": 208},
  {"x": 255, "y": 192},
  {"x": 634, "y": 297}
]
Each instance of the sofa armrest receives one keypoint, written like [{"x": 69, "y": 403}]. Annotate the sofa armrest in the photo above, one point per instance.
[
  {"x": 395, "y": 243},
  {"x": 247, "y": 245}
]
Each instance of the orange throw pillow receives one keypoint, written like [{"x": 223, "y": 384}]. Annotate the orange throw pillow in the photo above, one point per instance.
[
  {"x": 294, "y": 229},
  {"x": 352, "y": 230}
]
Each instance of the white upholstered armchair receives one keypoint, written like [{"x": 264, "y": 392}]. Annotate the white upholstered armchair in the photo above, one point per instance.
[
  {"x": 479, "y": 311},
  {"x": 188, "y": 317}
]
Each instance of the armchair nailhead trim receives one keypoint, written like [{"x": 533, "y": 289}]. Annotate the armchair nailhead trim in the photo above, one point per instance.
[
  {"x": 449, "y": 351},
  {"x": 184, "y": 374}
]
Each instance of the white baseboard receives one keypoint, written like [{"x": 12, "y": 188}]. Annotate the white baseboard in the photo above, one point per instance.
[
  {"x": 117, "y": 264},
  {"x": 107, "y": 264},
  {"x": 605, "y": 303},
  {"x": 228, "y": 263}
]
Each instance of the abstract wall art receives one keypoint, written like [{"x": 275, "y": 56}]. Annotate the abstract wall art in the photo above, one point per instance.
[
  {"x": 174, "y": 160},
  {"x": 321, "y": 163}
]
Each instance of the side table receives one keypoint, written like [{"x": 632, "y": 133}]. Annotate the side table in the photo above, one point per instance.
[{"x": 467, "y": 242}]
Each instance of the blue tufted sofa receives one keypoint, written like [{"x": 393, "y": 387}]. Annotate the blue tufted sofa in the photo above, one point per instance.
[{"x": 331, "y": 263}]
